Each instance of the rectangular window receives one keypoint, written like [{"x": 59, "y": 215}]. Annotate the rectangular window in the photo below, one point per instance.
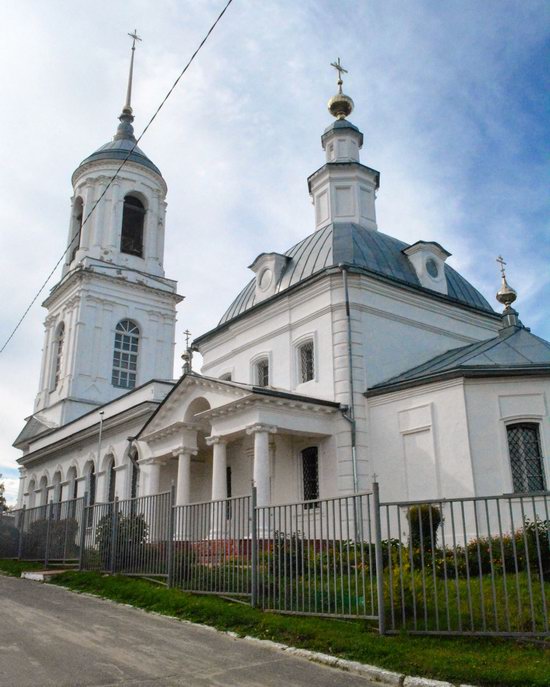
[
  {"x": 306, "y": 362},
  {"x": 526, "y": 457},
  {"x": 262, "y": 372},
  {"x": 310, "y": 474}
]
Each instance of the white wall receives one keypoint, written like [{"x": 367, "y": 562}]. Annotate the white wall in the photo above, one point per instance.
[{"x": 493, "y": 404}]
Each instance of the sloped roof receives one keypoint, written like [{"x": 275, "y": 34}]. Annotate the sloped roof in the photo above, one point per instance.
[
  {"x": 33, "y": 428},
  {"x": 367, "y": 249},
  {"x": 514, "y": 351}
]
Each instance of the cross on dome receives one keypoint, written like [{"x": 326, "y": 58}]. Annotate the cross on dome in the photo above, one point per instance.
[
  {"x": 506, "y": 294},
  {"x": 340, "y": 105},
  {"x": 340, "y": 71}
]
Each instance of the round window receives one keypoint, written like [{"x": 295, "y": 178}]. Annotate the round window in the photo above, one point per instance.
[
  {"x": 432, "y": 268},
  {"x": 265, "y": 279}
]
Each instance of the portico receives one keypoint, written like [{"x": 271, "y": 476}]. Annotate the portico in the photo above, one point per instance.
[{"x": 212, "y": 439}]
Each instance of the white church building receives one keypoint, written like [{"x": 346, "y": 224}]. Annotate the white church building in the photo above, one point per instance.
[{"x": 350, "y": 355}]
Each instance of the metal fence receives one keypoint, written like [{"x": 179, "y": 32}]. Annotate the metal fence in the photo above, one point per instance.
[
  {"x": 48, "y": 533},
  {"x": 213, "y": 547},
  {"x": 467, "y": 566},
  {"x": 129, "y": 537},
  {"x": 452, "y": 566},
  {"x": 318, "y": 557}
]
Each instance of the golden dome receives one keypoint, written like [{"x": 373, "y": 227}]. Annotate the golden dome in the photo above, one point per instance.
[{"x": 340, "y": 106}]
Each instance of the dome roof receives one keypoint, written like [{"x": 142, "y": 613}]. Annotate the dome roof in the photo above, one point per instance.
[
  {"x": 365, "y": 249},
  {"x": 118, "y": 150},
  {"x": 122, "y": 143}
]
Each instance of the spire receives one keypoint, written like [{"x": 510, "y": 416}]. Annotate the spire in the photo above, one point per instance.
[
  {"x": 340, "y": 105},
  {"x": 125, "y": 128},
  {"x": 507, "y": 295}
]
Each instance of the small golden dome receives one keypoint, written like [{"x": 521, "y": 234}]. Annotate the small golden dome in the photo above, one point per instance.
[
  {"x": 506, "y": 294},
  {"x": 340, "y": 106}
]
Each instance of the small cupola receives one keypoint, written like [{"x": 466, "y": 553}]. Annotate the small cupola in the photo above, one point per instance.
[
  {"x": 428, "y": 259},
  {"x": 268, "y": 268}
]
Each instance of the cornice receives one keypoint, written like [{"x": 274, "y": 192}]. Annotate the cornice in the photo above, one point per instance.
[
  {"x": 169, "y": 430},
  {"x": 412, "y": 392}
]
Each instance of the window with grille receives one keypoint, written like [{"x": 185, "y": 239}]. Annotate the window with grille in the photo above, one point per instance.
[
  {"x": 306, "y": 362},
  {"x": 526, "y": 457},
  {"x": 262, "y": 372},
  {"x": 310, "y": 474},
  {"x": 133, "y": 218},
  {"x": 125, "y": 355},
  {"x": 58, "y": 351}
]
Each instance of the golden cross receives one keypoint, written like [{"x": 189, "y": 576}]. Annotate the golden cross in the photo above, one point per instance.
[{"x": 501, "y": 262}]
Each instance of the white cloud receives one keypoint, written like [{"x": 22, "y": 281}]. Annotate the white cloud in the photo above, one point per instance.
[{"x": 238, "y": 138}]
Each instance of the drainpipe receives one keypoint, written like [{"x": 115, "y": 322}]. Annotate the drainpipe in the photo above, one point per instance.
[{"x": 349, "y": 411}]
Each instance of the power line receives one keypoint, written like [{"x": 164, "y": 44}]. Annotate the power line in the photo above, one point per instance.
[{"x": 151, "y": 120}]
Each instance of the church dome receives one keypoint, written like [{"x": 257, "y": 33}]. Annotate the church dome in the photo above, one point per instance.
[
  {"x": 118, "y": 150},
  {"x": 363, "y": 249},
  {"x": 122, "y": 143}
]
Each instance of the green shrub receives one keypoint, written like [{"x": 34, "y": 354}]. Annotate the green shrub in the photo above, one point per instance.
[{"x": 424, "y": 521}]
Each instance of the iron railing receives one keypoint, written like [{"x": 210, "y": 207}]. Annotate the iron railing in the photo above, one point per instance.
[
  {"x": 450, "y": 566},
  {"x": 467, "y": 566},
  {"x": 212, "y": 550},
  {"x": 318, "y": 557}
]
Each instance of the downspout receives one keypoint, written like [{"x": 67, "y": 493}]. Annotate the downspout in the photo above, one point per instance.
[{"x": 349, "y": 412}]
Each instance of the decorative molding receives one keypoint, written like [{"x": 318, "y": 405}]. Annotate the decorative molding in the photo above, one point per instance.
[
  {"x": 259, "y": 427},
  {"x": 216, "y": 439},
  {"x": 189, "y": 450}
]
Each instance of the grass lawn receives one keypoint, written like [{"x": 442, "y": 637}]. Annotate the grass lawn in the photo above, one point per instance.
[{"x": 478, "y": 661}]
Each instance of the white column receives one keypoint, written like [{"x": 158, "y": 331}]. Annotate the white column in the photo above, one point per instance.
[
  {"x": 219, "y": 485},
  {"x": 21, "y": 491},
  {"x": 261, "y": 472},
  {"x": 153, "y": 479},
  {"x": 183, "y": 486}
]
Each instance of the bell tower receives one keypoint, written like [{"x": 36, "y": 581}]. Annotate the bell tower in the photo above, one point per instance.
[{"x": 111, "y": 318}]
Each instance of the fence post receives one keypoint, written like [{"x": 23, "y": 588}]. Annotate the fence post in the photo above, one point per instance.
[
  {"x": 379, "y": 559},
  {"x": 21, "y": 533},
  {"x": 170, "y": 542},
  {"x": 114, "y": 532},
  {"x": 49, "y": 516},
  {"x": 83, "y": 532},
  {"x": 254, "y": 550}
]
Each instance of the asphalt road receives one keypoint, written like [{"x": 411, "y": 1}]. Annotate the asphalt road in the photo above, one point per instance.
[{"x": 52, "y": 637}]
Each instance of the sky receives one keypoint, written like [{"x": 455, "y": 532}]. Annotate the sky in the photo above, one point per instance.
[{"x": 452, "y": 99}]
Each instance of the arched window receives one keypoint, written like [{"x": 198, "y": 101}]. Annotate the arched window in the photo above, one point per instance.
[
  {"x": 58, "y": 355},
  {"x": 32, "y": 495},
  {"x": 76, "y": 226},
  {"x": 262, "y": 372},
  {"x": 43, "y": 486},
  {"x": 111, "y": 476},
  {"x": 526, "y": 457},
  {"x": 133, "y": 218},
  {"x": 91, "y": 494},
  {"x": 134, "y": 486},
  {"x": 125, "y": 355}
]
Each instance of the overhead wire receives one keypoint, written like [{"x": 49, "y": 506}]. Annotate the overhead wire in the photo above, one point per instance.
[{"x": 111, "y": 180}]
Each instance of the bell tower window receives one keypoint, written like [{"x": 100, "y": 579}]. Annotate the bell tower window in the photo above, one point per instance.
[
  {"x": 76, "y": 226},
  {"x": 125, "y": 355},
  {"x": 58, "y": 355},
  {"x": 133, "y": 218}
]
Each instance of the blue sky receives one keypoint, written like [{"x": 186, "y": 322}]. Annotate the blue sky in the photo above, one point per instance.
[{"x": 452, "y": 98}]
